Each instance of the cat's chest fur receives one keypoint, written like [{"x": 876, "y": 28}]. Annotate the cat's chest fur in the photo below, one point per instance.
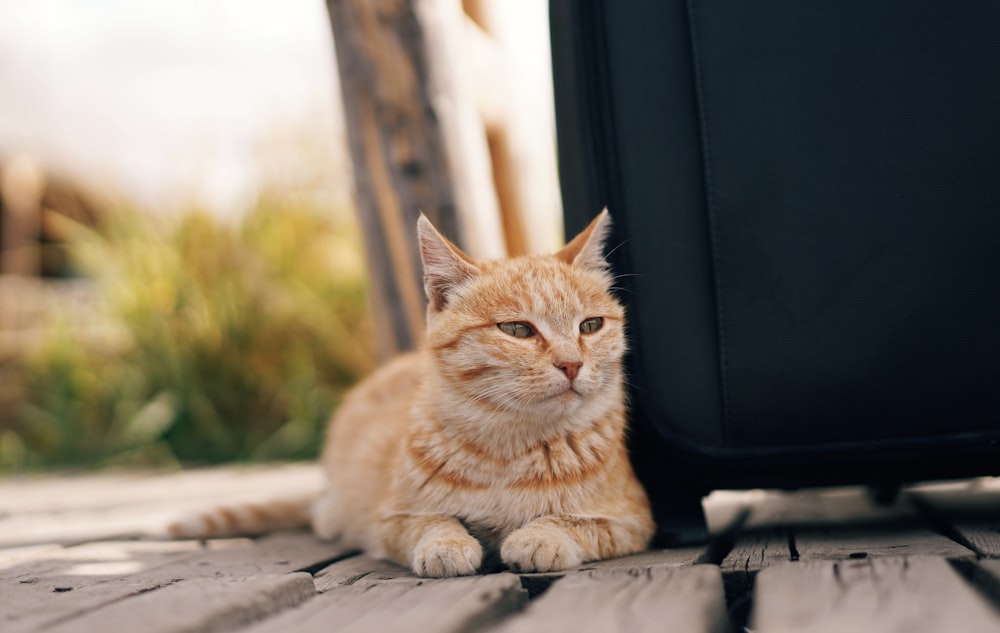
[{"x": 495, "y": 493}]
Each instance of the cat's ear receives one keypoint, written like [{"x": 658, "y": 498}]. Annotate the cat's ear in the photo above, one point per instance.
[
  {"x": 586, "y": 250},
  {"x": 445, "y": 266}
]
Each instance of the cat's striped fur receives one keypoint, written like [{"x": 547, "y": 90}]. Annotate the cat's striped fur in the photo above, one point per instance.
[{"x": 503, "y": 435}]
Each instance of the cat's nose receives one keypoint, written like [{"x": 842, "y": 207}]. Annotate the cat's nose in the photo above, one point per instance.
[{"x": 570, "y": 368}]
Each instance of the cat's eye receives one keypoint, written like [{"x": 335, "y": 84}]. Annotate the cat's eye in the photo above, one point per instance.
[
  {"x": 591, "y": 325},
  {"x": 517, "y": 329}
]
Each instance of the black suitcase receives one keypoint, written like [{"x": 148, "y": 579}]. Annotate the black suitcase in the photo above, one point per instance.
[{"x": 806, "y": 198}]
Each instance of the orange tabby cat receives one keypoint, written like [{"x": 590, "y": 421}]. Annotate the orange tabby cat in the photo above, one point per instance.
[{"x": 504, "y": 434}]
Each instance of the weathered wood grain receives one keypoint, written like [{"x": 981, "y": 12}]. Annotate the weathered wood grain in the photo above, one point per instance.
[
  {"x": 71, "y": 582},
  {"x": 756, "y": 550},
  {"x": 752, "y": 552},
  {"x": 687, "y": 599},
  {"x": 45, "y": 584},
  {"x": 95, "y": 560},
  {"x": 276, "y": 554},
  {"x": 360, "y": 570},
  {"x": 821, "y": 543},
  {"x": 675, "y": 557},
  {"x": 199, "y": 605},
  {"x": 834, "y": 525},
  {"x": 852, "y": 547},
  {"x": 537, "y": 583},
  {"x": 778, "y": 520},
  {"x": 913, "y": 594},
  {"x": 430, "y": 606},
  {"x": 837, "y": 524},
  {"x": 32, "y": 604},
  {"x": 366, "y": 570}
]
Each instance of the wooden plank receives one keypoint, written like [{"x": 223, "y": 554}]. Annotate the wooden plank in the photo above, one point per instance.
[
  {"x": 45, "y": 493},
  {"x": 825, "y": 524},
  {"x": 751, "y": 553},
  {"x": 198, "y": 605},
  {"x": 835, "y": 524},
  {"x": 46, "y": 585},
  {"x": 366, "y": 570},
  {"x": 41, "y": 585},
  {"x": 636, "y": 564},
  {"x": 32, "y": 604},
  {"x": 914, "y": 594},
  {"x": 62, "y": 510},
  {"x": 276, "y": 554},
  {"x": 969, "y": 510},
  {"x": 655, "y": 599},
  {"x": 431, "y": 606},
  {"x": 828, "y": 506},
  {"x": 60, "y": 493},
  {"x": 674, "y": 557},
  {"x": 74, "y": 581},
  {"x": 769, "y": 534},
  {"x": 821, "y": 543},
  {"x": 360, "y": 570},
  {"x": 20, "y": 555},
  {"x": 34, "y": 563}
]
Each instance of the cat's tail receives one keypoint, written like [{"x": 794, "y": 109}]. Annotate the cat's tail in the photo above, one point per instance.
[{"x": 244, "y": 519}]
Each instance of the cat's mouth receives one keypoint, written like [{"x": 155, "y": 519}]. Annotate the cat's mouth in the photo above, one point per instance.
[{"x": 568, "y": 394}]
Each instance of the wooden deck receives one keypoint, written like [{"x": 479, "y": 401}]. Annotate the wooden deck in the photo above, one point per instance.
[{"x": 81, "y": 554}]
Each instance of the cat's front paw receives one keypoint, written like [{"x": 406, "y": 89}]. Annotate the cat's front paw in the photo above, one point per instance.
[
  {"x": 439, "y": 556},
  {"x": 540, "y": 547}
]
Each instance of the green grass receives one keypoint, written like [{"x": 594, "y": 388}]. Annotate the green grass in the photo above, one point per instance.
[{"x": 238, "y": 340}]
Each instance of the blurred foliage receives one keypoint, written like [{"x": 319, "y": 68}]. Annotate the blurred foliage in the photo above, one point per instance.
[{"x": 236, "y": 342}]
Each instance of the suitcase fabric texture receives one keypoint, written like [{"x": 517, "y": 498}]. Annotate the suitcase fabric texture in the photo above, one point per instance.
[{"x": 806, "y": 200}]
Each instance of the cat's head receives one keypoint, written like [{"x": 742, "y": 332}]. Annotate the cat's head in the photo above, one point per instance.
[{"x": 539, "y": 335}]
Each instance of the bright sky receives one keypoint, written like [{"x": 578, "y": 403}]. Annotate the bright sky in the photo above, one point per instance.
[
  {"x": 167, "y": 100},
  {"x": 174, "y": 102}
]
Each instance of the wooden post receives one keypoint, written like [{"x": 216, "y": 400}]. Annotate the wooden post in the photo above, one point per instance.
[
  {"x": 401, "y": 131},
  {"x": 21, "y": 187}
]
